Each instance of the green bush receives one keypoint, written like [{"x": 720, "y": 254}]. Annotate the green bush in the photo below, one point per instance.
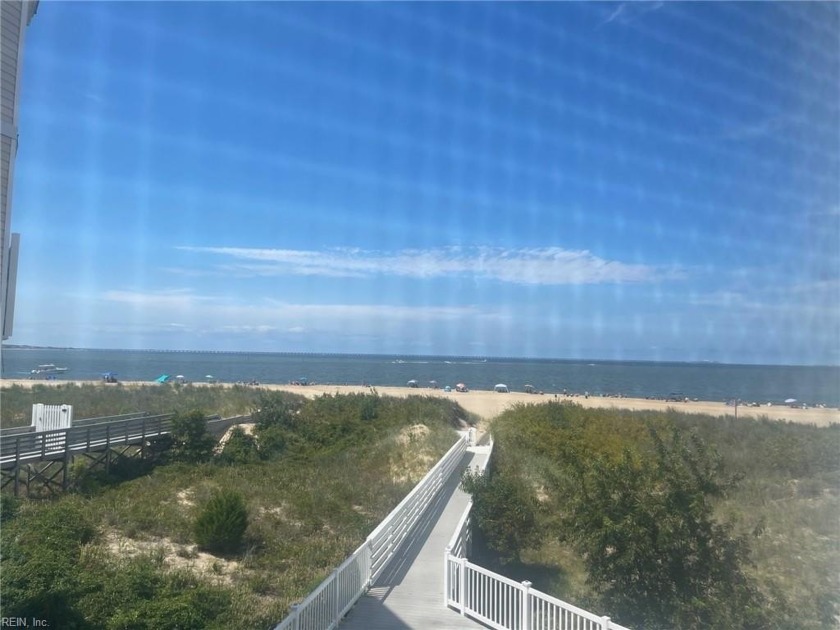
[
  {"x": 40, "y": 550},
  {"x": 504, "y": 511},
  {"x": 139, "y": 593},
  {"x": 191, "y": 442},
  {"x": 221, "y": 525},
  {"x": 652, "y": 545},
  {"x": 9, "y": 507},
  {"x": 240, "y": 448}
]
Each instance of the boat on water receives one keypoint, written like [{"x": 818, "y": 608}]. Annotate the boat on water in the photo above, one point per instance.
[{"x": 48, "y": 368}]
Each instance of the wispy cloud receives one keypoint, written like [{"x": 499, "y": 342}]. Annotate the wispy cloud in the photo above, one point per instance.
[
  {"x": 269, "y": 316},
  {"x": 627, "y": 12},
  {"x": 817, "y": 298},
  {"x": 758, "y": 128},
  {"x": 528, "y": 266},
  {"x": 167, "y": 298}
]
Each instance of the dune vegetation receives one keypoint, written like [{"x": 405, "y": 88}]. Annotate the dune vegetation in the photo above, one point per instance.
[
  {"x": 664, "y": 520},
  {"x": 218, "y": 540},
  {"x": 96, "y": 400}
]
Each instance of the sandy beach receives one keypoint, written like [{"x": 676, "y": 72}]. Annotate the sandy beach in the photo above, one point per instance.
[{"x": 489, "y": 404}]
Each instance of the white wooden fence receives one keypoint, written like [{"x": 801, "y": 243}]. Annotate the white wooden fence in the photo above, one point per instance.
[
  {"x": 503, "y": 603},
  {"x": 324, "y": 607},
  {"x": 51, "y": 417}
]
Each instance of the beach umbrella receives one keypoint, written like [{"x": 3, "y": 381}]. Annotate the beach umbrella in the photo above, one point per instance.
[
  {"x": 790, "y": 400},
  {"x": 501, "y": 387},
  {"x": 162, "y": 378},
  {"x": 209, "y": 376},
  {"x": 412, "y": 383}
]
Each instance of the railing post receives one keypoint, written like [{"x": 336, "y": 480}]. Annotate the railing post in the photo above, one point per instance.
[
  {"x": 605, "y": 623},
  {"x": 335, "y": 594},
  {"x": 370, "y": 563},
  {"x": 143, "y": 441},
  {"x": 446, "y": 553},
  {"x": 462, "y": 584},
  {"x": 17, "y": 465},
  {"x": 526, "y": 606},
  {"x": 295, "y": 616}
]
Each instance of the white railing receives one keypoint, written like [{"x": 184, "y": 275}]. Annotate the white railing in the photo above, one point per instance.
[
  {"x": 500, "y": 602},
  {"x": 324, "y": 607}
]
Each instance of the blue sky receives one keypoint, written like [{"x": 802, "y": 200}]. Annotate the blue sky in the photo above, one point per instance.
[{"x": 652, "y": 181}]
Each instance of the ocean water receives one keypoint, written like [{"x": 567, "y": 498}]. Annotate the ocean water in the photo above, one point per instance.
[{"x": 703, "y": 381}]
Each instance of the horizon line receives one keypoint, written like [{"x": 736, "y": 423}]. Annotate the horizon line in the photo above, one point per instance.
[{"x": 420, "y": 356}]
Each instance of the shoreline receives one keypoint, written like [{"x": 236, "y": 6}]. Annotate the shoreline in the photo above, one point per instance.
[{"x": 489, "y": 404}]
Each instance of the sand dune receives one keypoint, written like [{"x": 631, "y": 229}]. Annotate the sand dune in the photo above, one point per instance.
[{"x": 488, "y": 404}]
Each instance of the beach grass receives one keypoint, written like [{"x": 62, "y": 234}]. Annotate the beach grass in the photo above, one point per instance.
[
  {"x": 785, "y": 503},
  {"x": 94, "y": 400},
  {"x": 308, "y": 509}
]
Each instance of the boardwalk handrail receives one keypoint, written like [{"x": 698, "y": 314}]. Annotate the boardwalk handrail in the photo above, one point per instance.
[
  {"x": 38, "y": 445},
  {"x": 324, "y": 607},
  {"x": 6, "y": 432},
  {"x": 500, "y": 602}
]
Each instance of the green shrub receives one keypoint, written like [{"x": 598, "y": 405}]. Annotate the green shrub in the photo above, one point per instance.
[
  {"x": 240, "y": 448},
  {"x": 139, "y": 593},
  {"x": 221, "y": 525},
  {"x": 651, "y": 543},
  {"x": 504, "y": 511},
  {"x": 9, "y": 507},
  {"x": 39, "y": 556},
  {"x": 191, "y": 442}
]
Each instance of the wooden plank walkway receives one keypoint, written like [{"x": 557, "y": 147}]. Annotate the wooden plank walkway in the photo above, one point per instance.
[{"x": 409, "y": 593}]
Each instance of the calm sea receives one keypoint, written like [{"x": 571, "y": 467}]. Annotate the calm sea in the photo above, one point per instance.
[{"x": 704, "y": 381}]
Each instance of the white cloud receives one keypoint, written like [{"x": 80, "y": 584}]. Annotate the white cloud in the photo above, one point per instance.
[
  {"x": 627, "y": 12},
  {"x": 528, "y": 266},
  {"x": 168, "y": 298},
  {"x": 212, "y": 315},
  {"x": 818, "y": 299}
]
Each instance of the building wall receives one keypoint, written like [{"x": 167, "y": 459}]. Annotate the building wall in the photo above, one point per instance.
[{"x": 15, "y": 15}]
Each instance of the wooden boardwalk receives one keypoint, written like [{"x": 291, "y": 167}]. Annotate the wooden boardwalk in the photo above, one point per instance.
[{"x": 409, "y": 593}]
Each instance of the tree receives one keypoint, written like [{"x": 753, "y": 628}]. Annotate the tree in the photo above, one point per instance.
[{"x": 652, "y": 548}]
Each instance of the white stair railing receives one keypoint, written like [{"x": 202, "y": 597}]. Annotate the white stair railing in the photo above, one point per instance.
[{"x": 324, "y": 607}]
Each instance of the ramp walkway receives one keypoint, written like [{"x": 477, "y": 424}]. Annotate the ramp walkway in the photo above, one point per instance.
[{"x": 409, "y": 592}]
